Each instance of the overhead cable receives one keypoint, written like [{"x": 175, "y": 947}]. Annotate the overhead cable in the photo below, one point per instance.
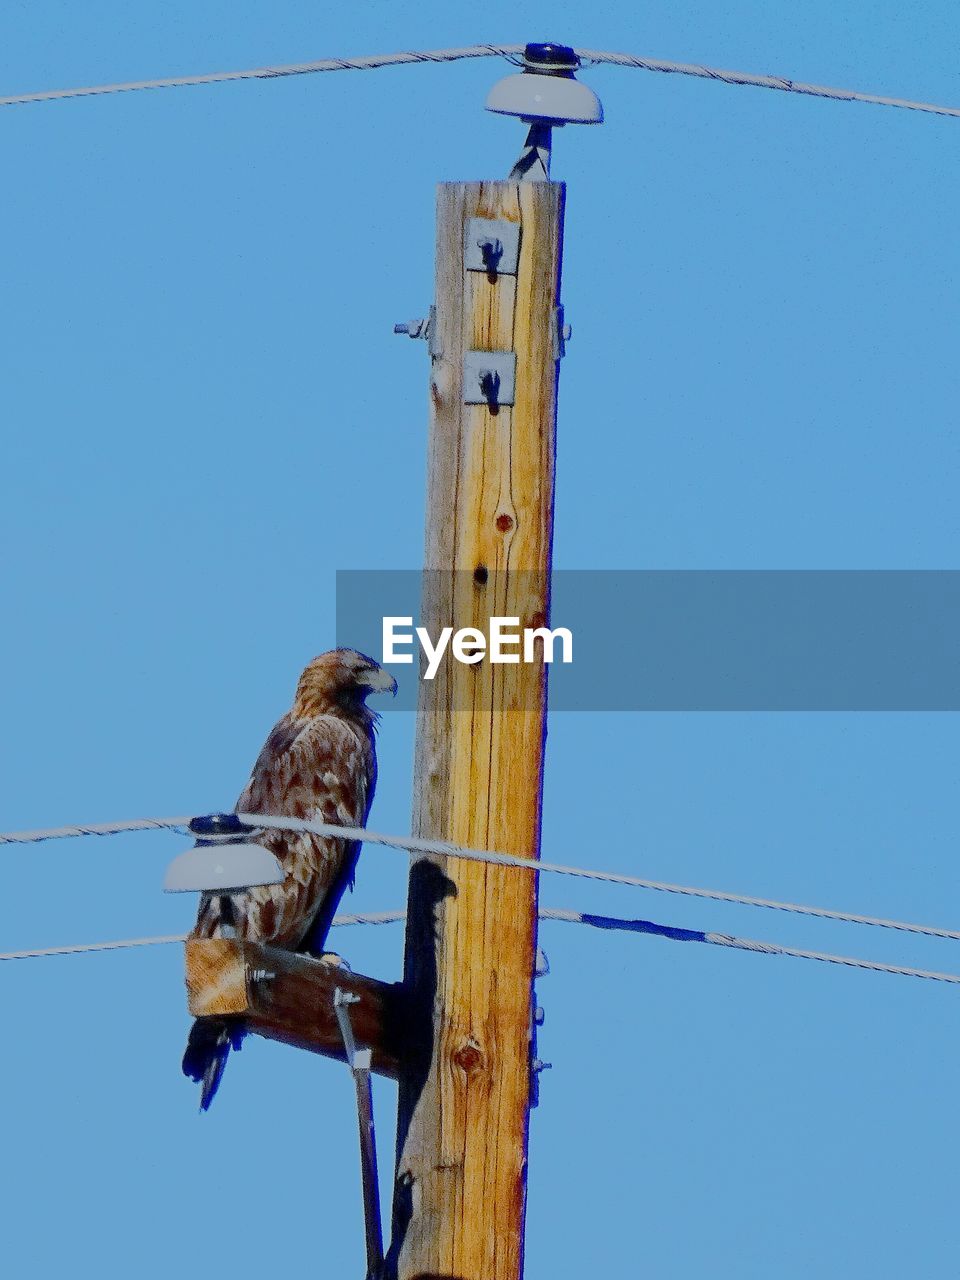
[
  {"x": 442, "y": 848},
  {"x": 597, "y": 56},
  {"x": 554, "y": 913}
]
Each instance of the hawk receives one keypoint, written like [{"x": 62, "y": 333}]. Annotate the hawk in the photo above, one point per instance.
[{"x": 319, "y": 763}]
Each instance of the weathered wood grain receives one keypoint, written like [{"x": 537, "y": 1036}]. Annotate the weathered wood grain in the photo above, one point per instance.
[{"x": 471, "y": 933}]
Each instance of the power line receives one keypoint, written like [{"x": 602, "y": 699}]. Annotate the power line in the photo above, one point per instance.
[
  {"x": 596, "y": 56},
  {"x": 773, "y": 949},
  {"x": 445, "y": 849},
  {"x": 370, "y": 917},
  {"x": 741, "y": 944},
  {"x": 78, "y": 947},
  {"x": 780, "y": 83},
  {"x": 441, "y": 848},
  {"x": 96, "y": 829},
  {"x": 554, "y": 913},
  {"x": 273, "y": 73}
]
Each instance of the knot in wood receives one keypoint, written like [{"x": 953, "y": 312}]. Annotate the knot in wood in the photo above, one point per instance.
[{"x": 469, "y": 1057}]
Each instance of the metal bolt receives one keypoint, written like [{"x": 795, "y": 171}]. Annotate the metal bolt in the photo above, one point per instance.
[
  {"x": 538, "y": 1065},
  {"x": 414, "y": 328},
  {"x": 538, "y": 1016},
  {"x": 492, "y": 251},
  {"x": 490, "y": 384}
]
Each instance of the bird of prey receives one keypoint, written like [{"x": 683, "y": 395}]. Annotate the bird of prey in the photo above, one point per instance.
[{"x": 319, "y": 763}]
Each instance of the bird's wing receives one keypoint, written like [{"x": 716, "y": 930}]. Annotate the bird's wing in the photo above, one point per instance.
[{"x": 322, "y": 769}]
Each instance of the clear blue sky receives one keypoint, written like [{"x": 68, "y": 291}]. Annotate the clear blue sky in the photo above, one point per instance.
[{"x": 206, "y": 414}]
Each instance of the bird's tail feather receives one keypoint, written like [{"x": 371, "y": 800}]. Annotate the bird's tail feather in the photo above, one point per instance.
[{"x": 208, "y": 1048}]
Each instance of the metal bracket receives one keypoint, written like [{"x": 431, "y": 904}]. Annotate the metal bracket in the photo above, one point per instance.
[
  {"x": 562, "y": 333},
  {"x": 359, "y": 1060},
  {"x": 533, "y": 163},
  {"x": 489, "y": 377},
  {"x": 541, "y": 967},
  {"x": 537, "y": 1064},
  {"x": 492, "y": 245}
]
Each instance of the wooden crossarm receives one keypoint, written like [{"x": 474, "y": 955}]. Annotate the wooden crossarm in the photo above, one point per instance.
[{"x": 289, "y": 997}]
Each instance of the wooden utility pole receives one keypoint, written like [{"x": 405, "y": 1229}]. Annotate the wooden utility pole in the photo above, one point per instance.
[
  {"x": 465, "y": 1082},
  {"x": 457, "y": 1032}
]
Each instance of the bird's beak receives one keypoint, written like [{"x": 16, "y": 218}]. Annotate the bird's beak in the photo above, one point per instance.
[{"x": 380, "y": 681}]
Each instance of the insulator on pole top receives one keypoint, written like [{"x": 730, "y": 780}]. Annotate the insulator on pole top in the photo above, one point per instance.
[{"x": 546, "y": 94}]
